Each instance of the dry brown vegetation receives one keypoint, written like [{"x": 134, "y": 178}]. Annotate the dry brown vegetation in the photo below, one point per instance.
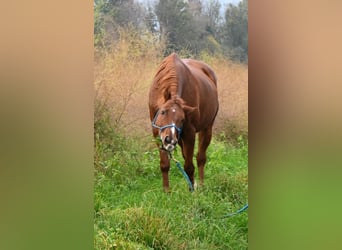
[
  {"x": 130, "y": 210},
  {"x": 124, "y": 74},
  {"x": 232, "y": 118}
]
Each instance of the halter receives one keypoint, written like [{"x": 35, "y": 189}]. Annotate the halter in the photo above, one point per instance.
[{"x": 179, "y": 130}]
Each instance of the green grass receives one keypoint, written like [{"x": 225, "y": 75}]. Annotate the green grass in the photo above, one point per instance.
[{"x": 131, "y": 211}]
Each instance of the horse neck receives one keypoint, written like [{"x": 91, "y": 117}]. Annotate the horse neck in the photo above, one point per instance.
[
  {"x": 180, "y": 88},
  {"x": 180, "y": 71},
  {"x": 180, "y": 79},
  {"x": 183, "y": 78}
]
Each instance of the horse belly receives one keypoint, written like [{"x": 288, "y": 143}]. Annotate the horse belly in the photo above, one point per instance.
[{"x": 208, "y": 110}]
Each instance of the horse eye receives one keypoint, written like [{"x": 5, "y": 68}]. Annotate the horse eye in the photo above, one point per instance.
[{"x": 162, "y": 112}]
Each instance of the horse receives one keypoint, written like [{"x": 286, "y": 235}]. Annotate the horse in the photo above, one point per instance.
[{"x": 183, "y": 101}]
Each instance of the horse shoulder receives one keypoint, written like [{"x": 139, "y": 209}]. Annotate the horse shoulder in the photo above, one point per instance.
[{"x": 203, "y": 67}]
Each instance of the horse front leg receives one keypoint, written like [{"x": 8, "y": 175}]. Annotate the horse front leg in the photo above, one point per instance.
[
  {"x": 165, "y": 167},
  {"x": 203, "y": 143},
  {"x": 188, "y": 144}
]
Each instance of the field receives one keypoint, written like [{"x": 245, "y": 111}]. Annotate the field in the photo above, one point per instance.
[{"x": 131, "y": 211}]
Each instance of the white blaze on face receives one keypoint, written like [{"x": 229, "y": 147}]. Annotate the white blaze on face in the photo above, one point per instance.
[
  {"x": 173, "y": 136},
  {"x": 173, "y": 130}
]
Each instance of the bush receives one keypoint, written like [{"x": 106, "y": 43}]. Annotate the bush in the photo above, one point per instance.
[
  {"x": 123, "y": 75},
  {"x": 130, "y": 209},
  {"x": 233, "y": 134}
]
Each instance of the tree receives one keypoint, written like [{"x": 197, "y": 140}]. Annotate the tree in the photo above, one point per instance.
[
  {"x": 178, "y": 26},
  {"x": 151, "y": 20},
  {"x": 109, "y": 15},
  {"x": 235, "y": 31},
  {"x": 212, "y": 23},
  {"x": 212, "y": 15}
]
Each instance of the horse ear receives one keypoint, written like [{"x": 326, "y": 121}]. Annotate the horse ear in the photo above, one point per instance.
[{"x": 188, "y": 110}]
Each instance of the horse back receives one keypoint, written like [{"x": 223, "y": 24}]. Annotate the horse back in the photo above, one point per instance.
[{"x": 206, "y": 85}]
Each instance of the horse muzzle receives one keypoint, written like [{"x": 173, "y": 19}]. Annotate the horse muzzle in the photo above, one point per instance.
[{"x": 169, "y": 144}]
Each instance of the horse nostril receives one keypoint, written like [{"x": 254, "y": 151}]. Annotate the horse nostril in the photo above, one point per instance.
[{"x": 167, "y": 139}]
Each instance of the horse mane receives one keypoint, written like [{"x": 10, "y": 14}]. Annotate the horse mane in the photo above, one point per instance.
[{"x": 166, "y": 77}]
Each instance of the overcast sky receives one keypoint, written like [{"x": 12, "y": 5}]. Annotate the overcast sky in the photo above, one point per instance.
[{"x": 224, "y": 3}]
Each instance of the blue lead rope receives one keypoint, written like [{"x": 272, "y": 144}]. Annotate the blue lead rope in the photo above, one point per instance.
[
  {"x": 237, "y": 212},
  {"x": 183, "y": 172},
  {"x": 192, "y": 188}
]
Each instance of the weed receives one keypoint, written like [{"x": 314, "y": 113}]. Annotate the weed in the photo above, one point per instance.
[{"x": 130, "y": 209}]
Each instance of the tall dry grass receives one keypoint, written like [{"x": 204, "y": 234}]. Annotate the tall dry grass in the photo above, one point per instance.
[
  {"x": 124, "y": 74},
  {"x": 232, "y": 118},
  {"x": 122, "y": 77}
]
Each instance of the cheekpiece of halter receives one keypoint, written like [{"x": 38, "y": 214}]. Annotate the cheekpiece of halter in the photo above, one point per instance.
[{"x": 154, "y": 125}]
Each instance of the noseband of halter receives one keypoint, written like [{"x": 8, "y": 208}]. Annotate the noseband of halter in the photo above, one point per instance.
[{"x": 179, "y": 130}]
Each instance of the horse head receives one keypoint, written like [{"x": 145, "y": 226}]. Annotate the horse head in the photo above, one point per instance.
[{"x": 169, "y": 119}]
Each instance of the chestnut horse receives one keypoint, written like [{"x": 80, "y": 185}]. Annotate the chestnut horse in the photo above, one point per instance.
[{"x": 183, "y": 101}]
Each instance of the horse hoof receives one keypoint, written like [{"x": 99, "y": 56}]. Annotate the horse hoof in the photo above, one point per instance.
[{"x": 195, "y": 185}]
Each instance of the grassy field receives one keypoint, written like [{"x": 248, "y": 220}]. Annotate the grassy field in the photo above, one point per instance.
[{"x": 131, "y": 211}]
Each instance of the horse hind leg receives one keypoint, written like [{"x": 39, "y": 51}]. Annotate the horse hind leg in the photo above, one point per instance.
[{"x": 203, "y": 143}]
